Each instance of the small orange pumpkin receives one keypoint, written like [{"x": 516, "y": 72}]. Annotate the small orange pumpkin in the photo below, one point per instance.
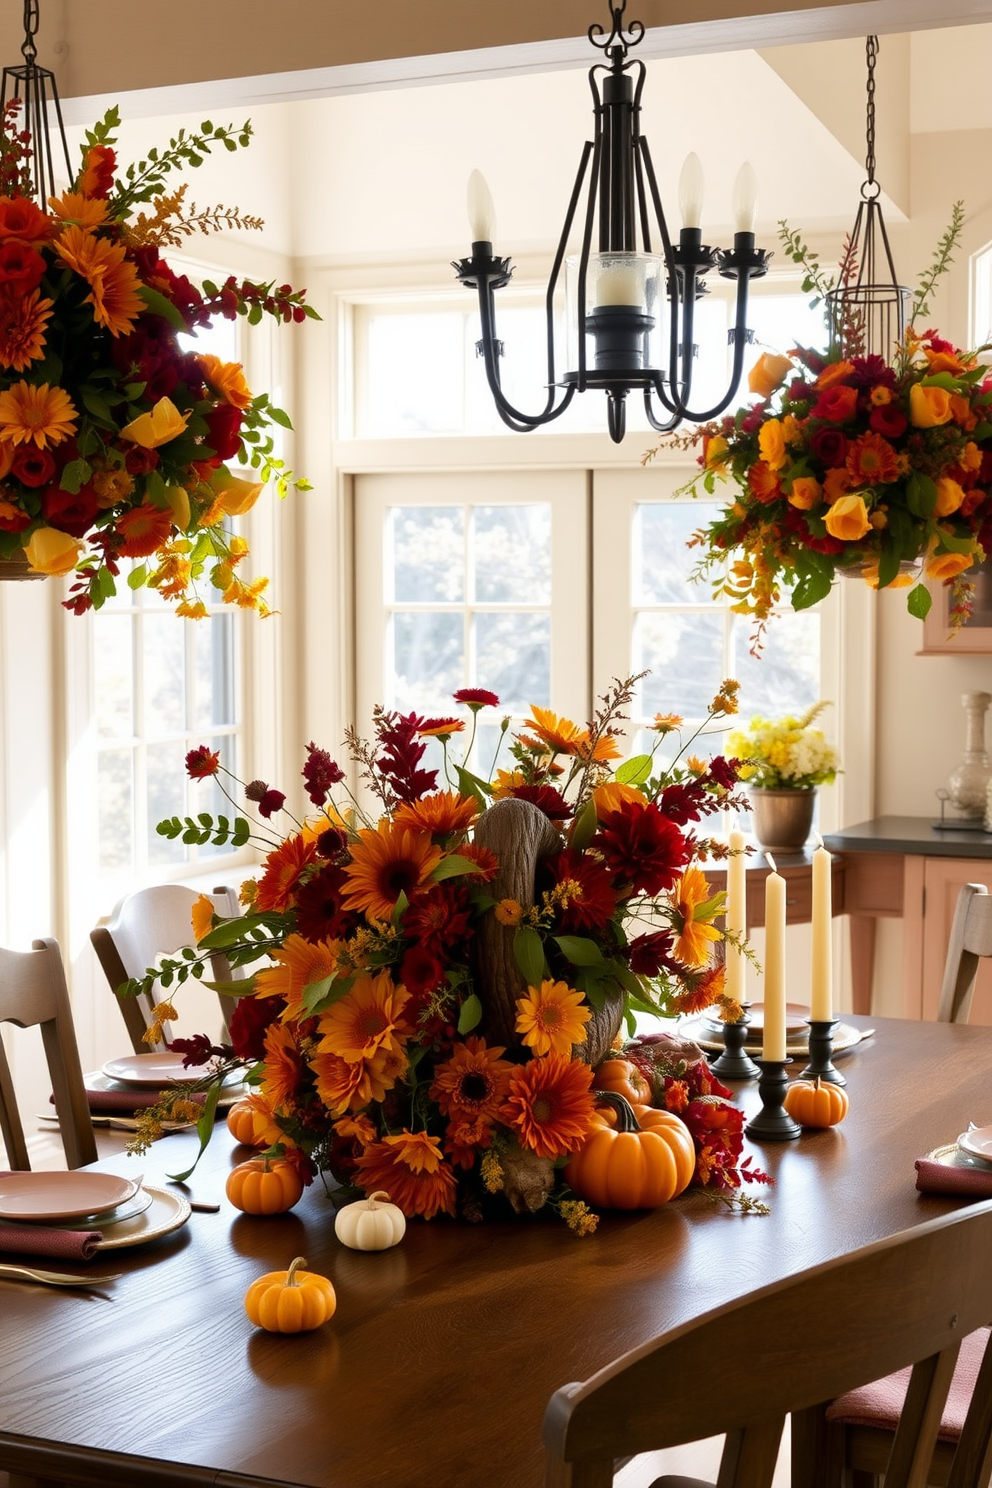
[
  {"x": 250, "y": 1122},
  {"x": 264, "y": 1185},
  {"x": 635, "y": 1157},
  {"x": 293, "y": 1301},
  {"x": 816, "y": 1102},
  {"x": 624, "y": 1078}
]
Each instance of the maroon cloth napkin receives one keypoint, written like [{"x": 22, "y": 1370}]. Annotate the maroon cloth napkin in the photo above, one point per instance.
[
  {"x": 66, "y": 1245},
  {"x": 125, "y": 1102},
  {"x": 965, "y": 1183}
]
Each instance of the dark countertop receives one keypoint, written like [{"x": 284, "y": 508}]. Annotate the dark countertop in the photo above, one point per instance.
[{"x": 911, "y": 834}]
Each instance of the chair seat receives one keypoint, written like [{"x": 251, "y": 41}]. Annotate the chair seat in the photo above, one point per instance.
[{"x": 880, "y": 1403}]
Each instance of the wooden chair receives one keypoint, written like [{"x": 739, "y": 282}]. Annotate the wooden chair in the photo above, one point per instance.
[
  {"x": 150, "y": 923},
  {"x": 33, "y": 992},
  {"x": 971, "y": 938},
  {"x": 742, "y": 1368}
]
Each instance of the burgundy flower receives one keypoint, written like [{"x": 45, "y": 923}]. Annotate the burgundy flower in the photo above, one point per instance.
[
  {"x": 70, "y": 512},
  {"x": 249, "y": 1022},
  {"x": 421, "y": 972},
  {"x": 642, "y": 847},
  {"x": 319, "y": 915},
  {"x": 271, "y": 802},
  {"x": 723, "y": 771},
  {"x": 872, "y": 371},
  {"x": 682, "y": 803},
  {"x": 439, "y": 918},
  {"x": 829, "y": 445},
  {"x": 476, "y": 697},
  {"x": 331, "y": 842},
  {"x": 201, "y": 762},
  {"x": 591, "y": 899},
  {"x": 21, "y": 267},
  {"x": 888, "y": 420},
  {"x": 320, "y": 773},
  {"x": 199, "y": 1050},
  {"x": 651, "y": 954},
  {"x": 546, "y": 798},
  {"x": 33, "y": 466},
  {"x": 138, "y": 461},
  {"x": 224, "y": 430},
  {"x": 402, "y": 751}
]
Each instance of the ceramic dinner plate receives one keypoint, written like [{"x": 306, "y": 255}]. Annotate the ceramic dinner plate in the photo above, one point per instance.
[
  {"x": 157, "y": 1070},
  {"x": 796, "y": 1016},
  {"x": 97, "y": 1083},
  {"x": 951, "y": 1156},
  {"x": 74, "y": 1195},
  {"x": 977, "y": 1142},
  {"x": 140, "y": 1201},
  {"x": 168, "y": 1211}
]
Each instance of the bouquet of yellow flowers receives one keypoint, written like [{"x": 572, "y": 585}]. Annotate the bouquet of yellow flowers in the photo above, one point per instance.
[
  {"x": 785, "y": 753},
  {"x": 116, "y": 440},
  {"x": 446, "y": 978}
]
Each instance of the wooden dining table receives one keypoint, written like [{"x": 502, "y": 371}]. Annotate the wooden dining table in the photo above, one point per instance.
[{"x": 443, "y": 1352}]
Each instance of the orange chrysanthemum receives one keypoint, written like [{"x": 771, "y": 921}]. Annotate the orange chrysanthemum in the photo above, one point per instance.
[
  {"x": 464, "y": 1140},
  {"x": 551, "y": 1018},
  {"x": 145, "y": 529},
  {"x": 871, "y": 460},
  {"x": 695, "y": 936},
  {"x": 441, "y": 814},
  {"x": 387, "y": 861},
  {"x": 550, "y": 1104},
  {"x": 472, "y": 1084},
  {"x": 283, "y": 869},
  {"x": 605, "y": 747},
  {"x": 702, "y": 992},
  {"x": 486, "y": 862},
  {"x": 298, "y": 963},
  {"x": 409, "y": 1167},
  {"x": 36, "y": 414},
  {"x": 112, "y": 279},
  {"x": 23, "y": 319},
  {"x": 226, "y": 378},
  {"x": 202, "y": 917},
  {"x": 355, "y": 1129},
  {"x": 366, "y": 1019},
  {"x": 351, "y": 1087},
  {"x": 559, "y": 735},
  {"x": 283, "y": 1067}
]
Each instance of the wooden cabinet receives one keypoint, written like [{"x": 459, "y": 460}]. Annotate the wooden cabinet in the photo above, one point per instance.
[{"x": 938, "y": 881}]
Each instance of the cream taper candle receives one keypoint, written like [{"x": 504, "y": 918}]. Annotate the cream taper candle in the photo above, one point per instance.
[
  {"x": 773, "y": 1042},
  {"x": 734, "y": 984},
  {"x": 821, "y": 930}
]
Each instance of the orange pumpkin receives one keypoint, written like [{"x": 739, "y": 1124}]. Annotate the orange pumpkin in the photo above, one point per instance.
[
  {"x": 816, "y": 1102},
  {"x": 264, "y": 1186},
  {"x": 293, "y": 1301},
  {"x": 250, "y": 1122},
  {"x": 625, "y": 1079},
  {"x": 635, "y": 1157}
]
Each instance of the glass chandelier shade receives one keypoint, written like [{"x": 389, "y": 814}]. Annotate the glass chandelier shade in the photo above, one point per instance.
[
  {"x": 630, "y": 293},
  {"x": 35, "y": 89}
]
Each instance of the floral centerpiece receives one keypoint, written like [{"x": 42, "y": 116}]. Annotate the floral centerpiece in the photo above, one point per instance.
[
  {"x": 116, "y": 443},
  {"x": 448, "y": 967},
  {"x": 785, "y": 753},
  {"x": 851, "y": 463}
]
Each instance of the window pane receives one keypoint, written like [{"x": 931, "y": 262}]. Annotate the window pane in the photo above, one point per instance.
[
  {"x": 166, "y": 797},
  {"x": 513, "y": 658},
  {"x": 113, "y": 679},
  {"x": 512, "y": 554},
  {"x": 213, "y": 644},
  {"x": 164, "y": 674},
  {"x": 428, "y": 660},
  {"x": 786, "y": 677},
  {"x": 115, "y": 798},
  {"x": 684, "y": 655},
  {"x": 662, "y": 563},
  {"x": 425, "y": 554},
  {"x": 415, "y": 375}
]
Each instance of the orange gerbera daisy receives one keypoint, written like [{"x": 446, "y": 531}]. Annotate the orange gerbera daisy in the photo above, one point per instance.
[
  {"x": 508, "y": 782},
  {"x": 366, "y": 1019},
  {"x": 355, "y": 1129},
  {"x": 550, "y": 1104},
  {"x": 73, "y": 207},
  {"x": 283, "y": 869},
  {"x": 605, "y": 747},
  {"x": 411, "y": 1168},
  {"x": 283, "y": 1067},
  {"x": 23, "y": 319},
  {"x": 472, "y": 1084},
  {"x": 551, "y": 1018},
  {"x": 387, "y": 861},
  {"x": 226, "y": 378},
  {"x": 871, "y": 460},
  {"x": 695, "y": 936},
  {"x": 36, "y": 414},
  {"x": 202, "y": 917},
  {"x": 445, "y": 812},
  {"x": 145, "y": 529},
  {"x": 298, "y": 964},
  {"x": 112, "y": 279},
  {"x": 559, "y": 735}
]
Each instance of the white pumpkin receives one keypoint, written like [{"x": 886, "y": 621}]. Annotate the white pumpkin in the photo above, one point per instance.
[{"x": 370, "y": 1225}]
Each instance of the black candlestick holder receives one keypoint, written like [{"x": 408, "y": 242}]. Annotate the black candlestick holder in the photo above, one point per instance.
[
  {"x": 821, "y": 1045},
  {"x": 734, "y": 1063},
  {"x": 773, "y": 1122}
]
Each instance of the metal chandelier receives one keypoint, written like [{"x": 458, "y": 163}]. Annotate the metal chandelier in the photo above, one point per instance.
[
  {"x": 35, "y": 89},
  {"x": 630, "y": 299}
]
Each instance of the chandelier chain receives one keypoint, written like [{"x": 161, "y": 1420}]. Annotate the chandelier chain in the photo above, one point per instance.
[
  {"x": 871, "y": 52},
  {"x": 28, "y": 49},
  {"x": 616, "y": 44}
]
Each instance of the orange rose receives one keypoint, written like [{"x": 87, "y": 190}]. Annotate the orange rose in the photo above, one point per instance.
[
  {"x": 947, "y": 565},
  {"x": 847, "y": 519},
  {"x": 962, "y": 412},
  {"x": 835, "y": 372},
  {"x": 836, "y": 483},
  {"x": 949, "y": 496},
  {"x": 771, "y": 443},
  {"x": 836, "y": 404},
  {"x": 768, "y": 373},
  {"x": 806, "y": 492},
  {"x": 929, "y": 406}
]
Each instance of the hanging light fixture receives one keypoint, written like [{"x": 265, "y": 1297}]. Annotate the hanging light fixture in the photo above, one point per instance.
[
  {"x": 867, "y": 314},
  {"x": 629, "y": 293},
  {"x": 36, "y": 90}
]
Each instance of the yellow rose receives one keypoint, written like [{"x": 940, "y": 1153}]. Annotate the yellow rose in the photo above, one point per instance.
[
  {"x": 847, "y": 519},
  {"x": 947, "y": 565},
  {"x": 52, "y": 552},
  {"x": 806, "y": 492},
  {"x": 929, "y": 406},
  {"x": 715, "y": 452},
  {"x": 161, "y": 425},
  {"x": 949, "y": 496},
  {"x": 178, "y": 499},
  {"x": 237, "y": 496},
  {"x": 228, "y": 378},
  {"x": 768, "y": 373},
  {"x": 771, "y": 443}
]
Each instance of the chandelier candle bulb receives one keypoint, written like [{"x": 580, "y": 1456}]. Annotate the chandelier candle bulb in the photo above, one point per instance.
[
  {"x": 773, "y": 1045},
  {"x": 481, "y": 212},
  {"x": 736, "y": 916},
  {"x": 618, "y": 284},
  {"x": 821, "y": 930},
  {"x": 745, "y": 199},
  {"x": 691, "y": 191}
]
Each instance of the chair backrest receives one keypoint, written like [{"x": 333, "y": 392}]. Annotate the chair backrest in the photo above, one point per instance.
[
  {"x": 33, "y": 992},
  {"x": 971, "y": 938},
  {"x": 744, "y": 1367},
  {"x": 150, "y": 923}
]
